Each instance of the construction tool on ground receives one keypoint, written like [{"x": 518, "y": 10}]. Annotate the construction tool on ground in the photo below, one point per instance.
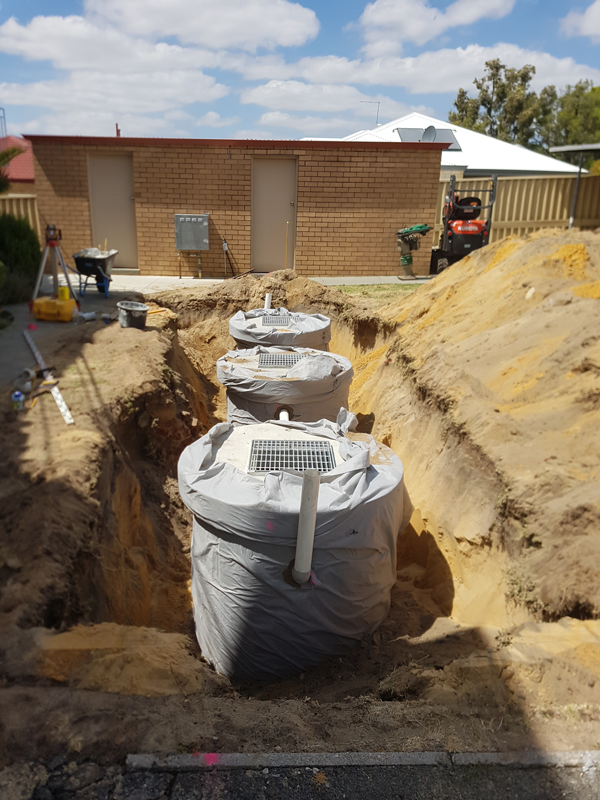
[
  {"x": 409, "y": 239},
  {"x": 54, "y": 390},
  {"x": 26, "y": 380},
  {"x": 56, "y": 307}
]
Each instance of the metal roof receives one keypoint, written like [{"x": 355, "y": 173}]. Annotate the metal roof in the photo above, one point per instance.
[{"x": 478, "y": 154}]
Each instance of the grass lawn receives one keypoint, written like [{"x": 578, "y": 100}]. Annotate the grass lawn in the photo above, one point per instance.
[{"x": 380, "y": 291}]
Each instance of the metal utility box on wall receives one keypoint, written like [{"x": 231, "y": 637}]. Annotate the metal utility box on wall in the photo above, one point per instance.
[{"x": 191, "y": 231}]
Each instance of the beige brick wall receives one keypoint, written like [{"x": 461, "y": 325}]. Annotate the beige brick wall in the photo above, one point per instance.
[
  {"x": 351, "y": 203},
  {"x": 62, "y": 194},
  {"x": 351, "y": 200}
]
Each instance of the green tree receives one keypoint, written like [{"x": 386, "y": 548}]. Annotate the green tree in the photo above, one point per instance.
[
  {"x": 20, "y": 254},
  {"x": 6, "y": 156},
  {"x": 507, "y": 108},
  {"x": 578, "y": 115}
]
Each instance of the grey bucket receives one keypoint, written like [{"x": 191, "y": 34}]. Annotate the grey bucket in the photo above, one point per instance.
[{"x": 132, "y": 315}]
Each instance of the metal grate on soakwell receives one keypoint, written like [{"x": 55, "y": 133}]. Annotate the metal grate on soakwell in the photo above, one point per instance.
[
  {"x": 274, "y": 360},
  {"x": 271, "y": 455},
  {"x": 276, "y": 319}
]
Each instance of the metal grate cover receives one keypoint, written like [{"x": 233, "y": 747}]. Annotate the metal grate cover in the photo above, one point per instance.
[
  {"x": 276, "y": 319},
  {"x": 274, "y": 360},
  {"x": 271, "y": 455}
]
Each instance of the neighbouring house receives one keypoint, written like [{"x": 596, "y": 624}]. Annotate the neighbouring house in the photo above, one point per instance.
[
  {"x": 323, "y": 208},
  {"x": 469, "y": 153},
  {"x": 20, "y": 199},
  {"x": 535, "y": 191},
  {"x": 19, "y": 170}
]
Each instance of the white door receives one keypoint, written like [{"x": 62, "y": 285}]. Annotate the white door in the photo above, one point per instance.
[
  {"x": 112, "y": 206},
  {"x": 273, "y": 213}
]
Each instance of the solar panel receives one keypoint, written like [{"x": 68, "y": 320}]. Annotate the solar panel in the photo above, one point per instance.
[
  {"x": 272, "y": 455},
  {"x": 276, "y": 319},
  {"x": 274, "y": 360}
]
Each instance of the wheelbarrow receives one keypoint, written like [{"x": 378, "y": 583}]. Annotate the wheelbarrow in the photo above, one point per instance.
[{"x": 94, "y": 263}]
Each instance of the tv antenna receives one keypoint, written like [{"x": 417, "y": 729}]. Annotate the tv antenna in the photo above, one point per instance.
[{"x": 373, "y": 102}]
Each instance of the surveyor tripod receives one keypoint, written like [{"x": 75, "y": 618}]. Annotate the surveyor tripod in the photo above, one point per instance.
[{"x": 52, "y": 249}]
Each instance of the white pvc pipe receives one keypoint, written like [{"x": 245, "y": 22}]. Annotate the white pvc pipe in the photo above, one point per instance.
[
  {"x": 284, "y": 415},
  {"x": 268, "y": 301},
  {"x": 306, "y": 526}
]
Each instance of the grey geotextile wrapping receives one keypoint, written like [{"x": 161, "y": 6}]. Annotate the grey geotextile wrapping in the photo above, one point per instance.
[
  {"x": 252, "y": 623},
  {"x": 304, "y": 330},
  {"x": 315, "y": 388}
]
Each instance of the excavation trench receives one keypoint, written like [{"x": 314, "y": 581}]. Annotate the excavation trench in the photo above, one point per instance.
[
  {"x": 102, "y": 601},
  {"x": 142, "y": 576}
]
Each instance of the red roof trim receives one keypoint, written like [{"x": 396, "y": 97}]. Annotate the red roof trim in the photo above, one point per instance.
[{"x": 255, "y": 144}]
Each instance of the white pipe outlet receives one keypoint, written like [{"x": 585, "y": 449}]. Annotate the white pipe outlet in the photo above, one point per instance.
[
  {"x": 268, "y": 298},
  {"x": 284, "y": 415},
  {"x": 306, "y": 526}
]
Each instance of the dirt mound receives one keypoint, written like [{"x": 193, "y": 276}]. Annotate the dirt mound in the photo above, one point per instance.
[
  {"x": 123, "y": 660},
  {"x": 246, "y": 293},
  {"x": 506, "y": 344}
]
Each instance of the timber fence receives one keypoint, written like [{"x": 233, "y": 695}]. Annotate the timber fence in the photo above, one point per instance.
[
  {"x": 22, "y": 206},
  {"x": 527, "y": 204}
]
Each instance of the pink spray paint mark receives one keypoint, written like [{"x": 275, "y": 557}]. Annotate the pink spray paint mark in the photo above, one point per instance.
[
  {"x": 211, "y": 759},
  {"x": 270, "y": 525}
]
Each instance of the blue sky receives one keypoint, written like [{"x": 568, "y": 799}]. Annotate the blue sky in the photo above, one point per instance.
[{"x": 270, "y": 68}]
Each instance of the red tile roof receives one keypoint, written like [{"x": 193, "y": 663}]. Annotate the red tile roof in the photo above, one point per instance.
[{"x": 20, "y": 169}]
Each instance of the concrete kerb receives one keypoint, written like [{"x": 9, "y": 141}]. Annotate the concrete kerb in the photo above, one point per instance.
[{"x": 583, "y": 759}]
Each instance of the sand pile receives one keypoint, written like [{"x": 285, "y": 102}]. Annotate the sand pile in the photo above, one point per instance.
[{"x": 505, "y": 346}]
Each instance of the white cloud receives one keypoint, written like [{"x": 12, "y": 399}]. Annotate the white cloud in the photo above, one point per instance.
[
  {"x": 211, "y": 23},
  {"x": 309, "y": 125},
  {"x": 74, "y": 43},
  {"x": 387, "y": 23},
  {"x": 250, "y": 133},
  {"x": 298, "y": 96},
  {"x": 177, "y": 114},
  {"x": 131, "y": 93},
  {"x": 100, "y": 123},
  {"x": 115, "y": 66},
  {"x": 426, "y": 73},
  {"x": 584, "y": 23},
  {"x": 213, "y": 120}
]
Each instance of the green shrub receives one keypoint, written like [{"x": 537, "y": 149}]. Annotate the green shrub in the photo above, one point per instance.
[{"x": 20, "y": 253}]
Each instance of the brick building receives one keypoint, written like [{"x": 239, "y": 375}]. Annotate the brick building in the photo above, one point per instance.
[{"x": 325, "y": 208}]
